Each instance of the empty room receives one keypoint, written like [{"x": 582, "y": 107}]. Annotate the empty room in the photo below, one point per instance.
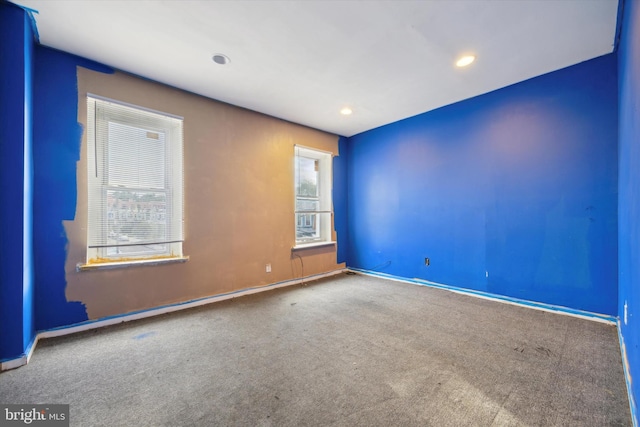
[{"x": 345, "y": 213}]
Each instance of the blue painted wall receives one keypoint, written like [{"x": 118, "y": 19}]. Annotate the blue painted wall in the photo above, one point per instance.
[
  {"x": 16, "y": 278},
  {"x": 340, "y": 195},
  {"x": 513, "y": 192},
  {"x": 56, "y": 138},
  {"x": 28, "y": 289},
  {"x": 629, "y": 189}
]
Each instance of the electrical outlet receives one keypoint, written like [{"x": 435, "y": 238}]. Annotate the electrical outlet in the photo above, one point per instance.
[
  {"x": 427, "y": 261},
  {"x": 268, "y": 268}
]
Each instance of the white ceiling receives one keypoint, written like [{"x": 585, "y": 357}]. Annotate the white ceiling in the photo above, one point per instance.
[{"x": 303, "y": 61}]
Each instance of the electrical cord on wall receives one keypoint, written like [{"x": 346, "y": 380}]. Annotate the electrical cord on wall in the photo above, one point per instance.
[
  {"x": 302, "y": 269},
  {"x": 376, "y": 268},
  {"x": 379, "y": 266}
]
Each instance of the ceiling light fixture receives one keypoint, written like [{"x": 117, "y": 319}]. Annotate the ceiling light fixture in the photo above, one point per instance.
[
  {"x": 465, "y": 60},
  {"x": 221, "y": 59},
  {"x": 346, "y": 111}
]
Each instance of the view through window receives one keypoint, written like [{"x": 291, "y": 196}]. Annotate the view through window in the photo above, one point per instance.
[{"x": 313, "y": 196}]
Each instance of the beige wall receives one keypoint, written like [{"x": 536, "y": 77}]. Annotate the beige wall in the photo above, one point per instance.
[{"x": 239, "y": 203}]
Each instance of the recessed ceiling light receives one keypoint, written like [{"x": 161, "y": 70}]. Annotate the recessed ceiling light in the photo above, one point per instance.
[
  {"x": 221, "y": 59},
  {"x": 465, "y": 60},
  {"x": 346, "y": 111}
]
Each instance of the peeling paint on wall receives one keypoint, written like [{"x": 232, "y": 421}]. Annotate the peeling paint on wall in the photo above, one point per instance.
[{"x": 239, "y": 205}]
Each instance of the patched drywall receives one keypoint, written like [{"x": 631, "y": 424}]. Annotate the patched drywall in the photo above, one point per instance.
[{"x": 239, "y": 203}]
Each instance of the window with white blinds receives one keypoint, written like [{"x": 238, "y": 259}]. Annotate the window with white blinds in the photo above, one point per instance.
[
  {"x": 135, "y": 182},
  {"x": 313, "y": 196}
]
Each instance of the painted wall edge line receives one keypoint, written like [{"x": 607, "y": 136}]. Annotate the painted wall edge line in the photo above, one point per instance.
[
  {"x": 596, "y": 317},
  {"x": 627, "y": 376},
  {"x": 6, "y": 365}
]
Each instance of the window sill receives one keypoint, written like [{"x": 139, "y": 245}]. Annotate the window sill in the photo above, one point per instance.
[
  {"x": 313, "y": 245},
  {"x": 132, "y": 263}
]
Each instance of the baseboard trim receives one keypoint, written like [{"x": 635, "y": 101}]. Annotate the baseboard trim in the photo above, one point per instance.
[
  {"x": 23, "y": 359},
  {"x": 13, "y": 363},
  {"x": 597, "y": 317},
  {"x": 627, "y": 376}
]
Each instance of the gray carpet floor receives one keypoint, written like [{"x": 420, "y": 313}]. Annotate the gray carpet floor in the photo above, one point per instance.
[{"x": 348, "y": 351}]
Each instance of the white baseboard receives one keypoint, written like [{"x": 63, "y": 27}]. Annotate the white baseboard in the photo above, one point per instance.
[
  {"x": 22, "y": 360},
  {"x": 13, "y": 363}
]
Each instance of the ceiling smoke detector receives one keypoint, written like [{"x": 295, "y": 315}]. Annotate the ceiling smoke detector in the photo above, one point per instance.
[{"x": 221, "y": 59}]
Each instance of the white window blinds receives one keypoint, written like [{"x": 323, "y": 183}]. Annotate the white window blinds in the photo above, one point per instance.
[{"x": 135, "y": 181}]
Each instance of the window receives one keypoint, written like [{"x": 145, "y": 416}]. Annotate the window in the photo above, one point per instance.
[
  {"x": 135, "y": 183},
  {"x": 313, "y": 196}
]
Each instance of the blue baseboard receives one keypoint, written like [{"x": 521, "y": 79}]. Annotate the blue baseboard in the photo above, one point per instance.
[
  {"x": 496, "y": 297},
  {"x": 627, "y": 377}
]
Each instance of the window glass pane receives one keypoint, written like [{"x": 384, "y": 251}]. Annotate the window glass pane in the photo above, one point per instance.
[
  {"x": 312, "y": 196},
  {"x": 307, "y": 227},
  {"x": 304, "y": 204},
  {"x": 306, "y": 176},
  {"x": 136, "y": 217}
]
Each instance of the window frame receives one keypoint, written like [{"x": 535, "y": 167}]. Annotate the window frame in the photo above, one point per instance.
[
  {"x": 98, "y": 120},
  {"x": 322, "y": 217}
]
